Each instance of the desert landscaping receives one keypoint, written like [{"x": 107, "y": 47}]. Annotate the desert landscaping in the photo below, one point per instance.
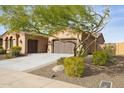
[
  {"x": 68, "y": 45},
  {"x": 91, "y": 77}
]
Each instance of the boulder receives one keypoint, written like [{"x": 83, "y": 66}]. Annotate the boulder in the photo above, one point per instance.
[
  {"x": 58, "y": 68},
  {"x": 89, "y": 59}
]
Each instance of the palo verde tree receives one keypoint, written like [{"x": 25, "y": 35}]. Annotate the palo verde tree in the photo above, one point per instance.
[{"x": 48, "y": 20}]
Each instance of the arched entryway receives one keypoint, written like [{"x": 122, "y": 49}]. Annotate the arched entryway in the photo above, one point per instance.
[
  {"x": 6, "y": 43},
  {"x": 11, "y": 42}
]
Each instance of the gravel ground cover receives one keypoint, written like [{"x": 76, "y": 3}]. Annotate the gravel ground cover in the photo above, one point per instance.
[{"x": 92, "y": 76}]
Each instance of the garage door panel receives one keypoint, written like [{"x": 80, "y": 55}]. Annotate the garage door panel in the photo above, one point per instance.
[{"x": 60, "y": 47}]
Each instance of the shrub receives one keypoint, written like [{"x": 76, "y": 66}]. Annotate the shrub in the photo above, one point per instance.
[
  {"x": 74, "y": 66},
  {"x": 110, "y": 49},
  {"x": 110, "y": 53},
  {"x": 100, "y": 58},
  {"x": 1, "y": 47},
  {"x": 60, "y": 61},
  {"x": 2, "y": 51},
  {"x": 9, "y": 55},
  {"x": 15, "y": 51}
]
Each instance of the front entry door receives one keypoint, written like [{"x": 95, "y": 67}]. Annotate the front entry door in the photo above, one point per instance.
[{"x": 32, "y": 46}]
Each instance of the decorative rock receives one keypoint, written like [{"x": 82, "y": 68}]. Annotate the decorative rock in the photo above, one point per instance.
[
  {"x": 88, "y": 59},
  {"x": 58, "y": 68},
  {"x": 52, "y": 75}
]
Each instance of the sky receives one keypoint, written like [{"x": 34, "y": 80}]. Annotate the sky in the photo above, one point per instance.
[{"x": 114, "y": 30}]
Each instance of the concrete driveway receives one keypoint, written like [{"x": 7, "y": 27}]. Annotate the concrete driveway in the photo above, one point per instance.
[
  {"x": 16, "y": 79},
  {"x": 30, "y": 62}
]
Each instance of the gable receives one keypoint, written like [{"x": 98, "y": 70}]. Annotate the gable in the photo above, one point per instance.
[{"x": 101, "y": 39}]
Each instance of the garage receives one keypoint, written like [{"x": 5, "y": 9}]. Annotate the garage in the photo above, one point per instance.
[
  {"x": 32, "y": 46},
  {"x": 60, "y": 47}
]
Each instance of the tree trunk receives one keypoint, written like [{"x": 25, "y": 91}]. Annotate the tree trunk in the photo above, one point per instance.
[
  {"x": 75, "y": 51},
  {"x": 95, "y": 49}
]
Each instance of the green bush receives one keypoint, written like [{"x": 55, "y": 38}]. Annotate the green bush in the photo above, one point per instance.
[
  {"x": 110, "y": 53},
  {"x": 1, "y": 47},
  {"x": 2, "y": 51},
  {"x": 100, "y": 58},
  {"x": 9, "y": 55},
  {"x": 110, "y": 50},
  {"x": 60, "y": 61},
  {"x": 74, "y": 66},
  {"x": 15, "y": 51}
]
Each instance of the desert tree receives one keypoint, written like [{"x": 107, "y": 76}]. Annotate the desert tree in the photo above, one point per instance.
[{"x": 48, "y": 20}]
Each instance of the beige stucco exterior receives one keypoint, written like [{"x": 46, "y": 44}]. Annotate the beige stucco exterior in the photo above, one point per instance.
[
  {"x": 45, "y": 44},
  {"x": 22, "y": 41}
]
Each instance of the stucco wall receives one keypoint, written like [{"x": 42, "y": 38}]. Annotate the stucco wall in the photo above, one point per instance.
[
  {"x": 119, "y": 48},
  {"x": 21, "y": 42}
]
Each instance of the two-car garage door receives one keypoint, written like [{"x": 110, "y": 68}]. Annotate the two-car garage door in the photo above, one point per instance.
[{"x": 60, "y": 47}]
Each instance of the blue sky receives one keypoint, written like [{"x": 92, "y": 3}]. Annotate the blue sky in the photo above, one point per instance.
[{"x": 114, "y": 30}]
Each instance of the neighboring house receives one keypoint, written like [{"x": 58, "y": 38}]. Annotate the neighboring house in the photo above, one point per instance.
[
  {"x": 30, "y": 42},
  {"x": 56, "y": 46},
  {"x": 1, "y": 41}
]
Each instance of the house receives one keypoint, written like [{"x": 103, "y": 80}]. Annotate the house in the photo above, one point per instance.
[
  {"x": 37, "y": 43},
  {"x": 56, "y": 46},
  {"x": 29, "y": 42}
]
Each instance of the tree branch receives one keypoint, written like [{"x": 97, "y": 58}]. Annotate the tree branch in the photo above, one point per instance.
[{"x": 89, "y": 46}]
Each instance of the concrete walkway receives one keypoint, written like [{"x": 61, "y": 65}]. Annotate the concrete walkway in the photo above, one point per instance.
[
  {"x": 31, "y": 61},
  {"x": 16, "y": 79}
]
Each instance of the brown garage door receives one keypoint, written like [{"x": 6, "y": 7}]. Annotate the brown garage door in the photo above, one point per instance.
[
  {"x": 32, "y": 46},
  {"x": 60, "y": 47}
]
